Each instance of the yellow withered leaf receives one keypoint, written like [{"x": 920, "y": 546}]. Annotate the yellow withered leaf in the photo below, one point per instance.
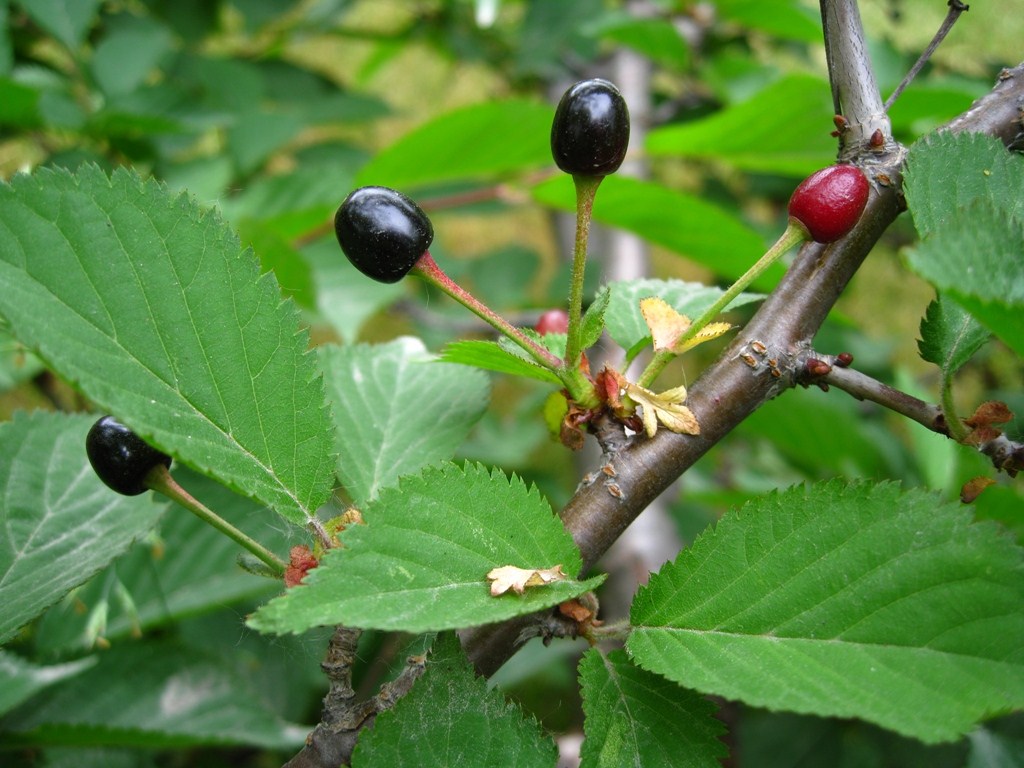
[
  {"x": 666, "y": 325},
  {"x": 666, "y": 408}
]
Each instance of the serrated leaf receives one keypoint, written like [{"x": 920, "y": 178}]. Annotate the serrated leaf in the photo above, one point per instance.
[
  {"x": 848, "y": 601},
  {"x": 151, "y": 308},
  {"x": 470, "y": 142},
  {"x": 152, "y": 694},
  {"x": 949, "y": 335},
  {"x": 966, "y": 193},
  {"x": 450, "y": 718},
  {"x": 782, "y": 129},
  {"x": 634, "y": 717},
  {"x": 685, "y": 224},
  {"x": 625, "y": 321},
  {"x": 492, "y": 356},
  {"x": 61, "y": 523},
  {"x": 20, "y": 680},
  {"x": 947, "y": 172},
  {"x": 419, "y": 564},
  {"x": 185, "y": 569},
  {"x": 398, "y": 409},
  {"x": 593, "y": 320},
  {"x": 978, "y": 259}
]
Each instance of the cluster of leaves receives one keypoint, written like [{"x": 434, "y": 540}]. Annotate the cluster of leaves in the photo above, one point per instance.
[{"x": 841, "y": 599}]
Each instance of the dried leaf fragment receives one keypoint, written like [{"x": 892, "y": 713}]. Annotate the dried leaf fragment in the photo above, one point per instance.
[
  {"x": 668, "y": 327},
  {"x": 666, "y": 408},
  {"x": 972, "y": 489},
  {"x": 519, "y": 580},
  {"x": 665, "y": 323}
]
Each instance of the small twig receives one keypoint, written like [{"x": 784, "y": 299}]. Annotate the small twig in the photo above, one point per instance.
[
  {"x": 955, "y": 9},
  {"x": 334, "y": 737},
  {"x": 343, "y": 717},
  {"x": 863, "y": 387},
  {"x": 1006, "y": 455}
]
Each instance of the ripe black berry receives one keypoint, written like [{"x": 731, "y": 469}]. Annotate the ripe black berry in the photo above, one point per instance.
[
  {"x": 382, "y": 232},
  {"x": 120, "y": 458},
  {"x": 591, "y": 129},
  {"x": 829, "y": 202}
]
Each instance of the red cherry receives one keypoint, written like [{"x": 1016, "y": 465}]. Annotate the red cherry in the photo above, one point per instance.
[
  {"x": 552, "y": 321},
  {"x": 829, "y": 202}
]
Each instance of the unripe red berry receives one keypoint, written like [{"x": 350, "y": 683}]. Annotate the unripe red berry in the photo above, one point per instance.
[
  {"x": 829, "y": 202},
  {"x": 121, "y": 458},
  {"x": 590, "y": 132},
  {"x": 382, "y": 232},
  {"x": 552, "y": 321}
]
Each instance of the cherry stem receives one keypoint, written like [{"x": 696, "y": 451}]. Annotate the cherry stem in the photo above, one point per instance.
[
  {"x": 795, "y": 233},
  {"x": 586, "y": 189},
  {"x": 160, "y": 480},
  {"x": 427, "y": 268}
]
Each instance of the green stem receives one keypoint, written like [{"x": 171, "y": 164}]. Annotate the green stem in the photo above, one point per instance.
[
  {"x": 159, "y": 479},
  {"x": 586, "y": 189},
  {"x": 953, "y": 423},
  {"x": 427, "y": 268},
  {"x": 795, "y": 233},
  {"x": 579, "y": 387}
]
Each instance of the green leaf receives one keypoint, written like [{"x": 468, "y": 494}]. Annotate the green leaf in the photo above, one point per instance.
[
  {"x": 846, "y": 601},
  {"x": 152, "y": 694},
  {"x": 634, "y": 717},
  {"x": 948, "y": 172},
  {"x": 398, "y": 409},
  {"x": 149, "y": 306},
  {"x": 187, "y": 568},
  {"x": 949, "y": 336},
  {"x": 626, "y": 324},
  {"x": 978, "y": 259},
  {"x": 16, "y": 363},
  {"x": 277, "y": 255},
  {"x": 785, "y": 740},
  {"x": 682, "y": 223},
  {"x": 67, "y": 20},
  {"x": 20, "y": 680},
  {"x": 471, "y": 142},
  {"x": 19, "y": 105},
  {"x": 824, "y": 436},
  {"x": 6, "y": 49},
  {"x": 61, "y": 523},
  {"x": 256, "y": 135},
  {"x": 127, "y": 53},
  {"x": 420, "y": 562},
  {"x": 344, "y": 296},
  {"x": 788, "y": 19},
  {"x": 966, "y": 193},
  {"x": 492, "y": 356},
  {"x": 783, "y": 129},
  {"x": 657, "y": 39},
  {"x": 593, "y": 320},
  {"x": 451, "y": 718}
]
